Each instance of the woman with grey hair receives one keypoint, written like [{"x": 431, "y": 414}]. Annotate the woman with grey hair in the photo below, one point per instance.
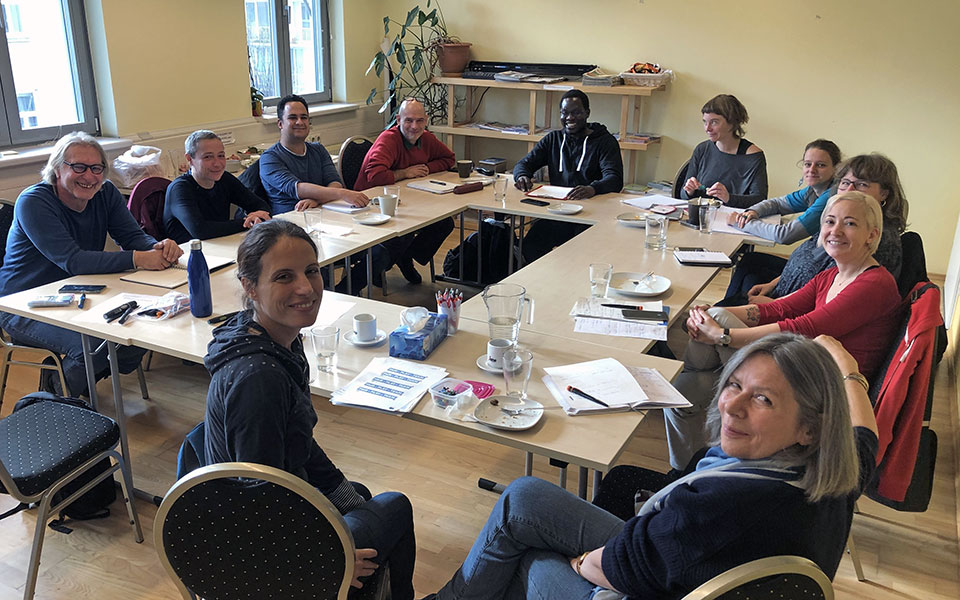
[
  {"x": 855, "y": 301},
  {"x": 794, "y": 443},
  {"x": 59, "y": 230}
]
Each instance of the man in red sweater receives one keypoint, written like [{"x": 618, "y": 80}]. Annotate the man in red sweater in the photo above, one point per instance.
[{"x": 404, "y": 152}]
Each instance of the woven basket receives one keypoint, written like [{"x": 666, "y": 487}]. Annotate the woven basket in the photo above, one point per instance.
[{"x": 647, "y": 79}]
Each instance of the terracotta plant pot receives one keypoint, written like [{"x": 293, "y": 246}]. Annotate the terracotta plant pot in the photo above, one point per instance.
[
  {"x": 453, "y": 57},
  {"x": 257, "y": 107}
]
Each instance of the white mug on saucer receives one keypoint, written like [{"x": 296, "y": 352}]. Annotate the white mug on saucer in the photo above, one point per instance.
[
  {"x": 365, "y": 327},
  {"x": 495, "y": 349}
]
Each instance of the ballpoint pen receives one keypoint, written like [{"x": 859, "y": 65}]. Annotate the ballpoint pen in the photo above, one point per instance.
[
  {"x": 83, "y": 298},
  {"x": 114, "y": 314},
  {"x": 439, "y": 182},
  {"x": 583, "y": 394},
  {"x": 623, "y": 306}
]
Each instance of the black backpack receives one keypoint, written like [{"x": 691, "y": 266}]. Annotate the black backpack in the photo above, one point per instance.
[
  {"x": 92, "y": 505},
  {"x": 496, "y": 239}
]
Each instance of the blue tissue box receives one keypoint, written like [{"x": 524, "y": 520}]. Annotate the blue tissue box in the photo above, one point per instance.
[{"x": 419, "y": 345}]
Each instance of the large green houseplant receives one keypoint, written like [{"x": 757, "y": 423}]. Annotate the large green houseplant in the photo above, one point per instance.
[{"x": 420, "y": 49}]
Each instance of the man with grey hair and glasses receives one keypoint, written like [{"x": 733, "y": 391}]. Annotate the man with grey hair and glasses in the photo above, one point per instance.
[
  {"x": 198, "y": 202},
  {"x": 59, "y": 229}
]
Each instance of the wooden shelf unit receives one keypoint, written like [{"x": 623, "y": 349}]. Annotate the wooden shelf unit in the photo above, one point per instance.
[{"x": 631, "y": 99}]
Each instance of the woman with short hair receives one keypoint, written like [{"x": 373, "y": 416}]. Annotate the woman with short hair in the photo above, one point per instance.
[
  {"x": 258, "y": 402},
  {"x": 793, "y": 444},
  {"x": 726, "y": 166}
]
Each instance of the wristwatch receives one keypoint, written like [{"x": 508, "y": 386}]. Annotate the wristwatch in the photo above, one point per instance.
[{"x": 725, "y": 338}]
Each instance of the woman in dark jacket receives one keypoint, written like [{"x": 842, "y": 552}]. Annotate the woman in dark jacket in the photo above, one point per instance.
[{"x": 258, "y": 403}]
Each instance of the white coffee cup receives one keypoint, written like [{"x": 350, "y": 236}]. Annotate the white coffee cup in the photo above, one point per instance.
[
  {"x": 495, "y": 349},
  {"x": 365, "y": 327},
  {"x": 388, "y": 204}
]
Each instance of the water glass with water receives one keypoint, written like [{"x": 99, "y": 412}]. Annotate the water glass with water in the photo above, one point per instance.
[
  {"x": 600, "y": 274},
  {"x": 517, "y": 367},
  {"x": 656, "y": 234},
  {"x": 325, "y": 342},
  {"x": 313, "y": 219},
  {"x": 500, "y": 189},
  {"x": 708, "y": 212}
]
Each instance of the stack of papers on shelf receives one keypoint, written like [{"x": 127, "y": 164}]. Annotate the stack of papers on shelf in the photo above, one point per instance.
[
  {"x": 342, "y": 206},
  {"x": 525, "y": 77},
  {"x": 590, "y": 317},
  {"x": 389, "y": 384},
  {"x": 721, "y": 217},
  {"x": 701, "y": 257},
  {"x": 651, "y": 200},
  {"x": 601, "y": 78},
  {"x": 621, "y": 388},
  {"x": 638, "y": 138}
]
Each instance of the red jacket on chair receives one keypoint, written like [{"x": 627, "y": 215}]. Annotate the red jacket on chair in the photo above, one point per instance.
[{"x": 903, "y": 396}]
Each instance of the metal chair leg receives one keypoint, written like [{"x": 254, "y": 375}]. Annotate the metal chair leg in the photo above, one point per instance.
[
  {"x": 433, "y": 273},
  {"x": 43, "y": 513},
  {"x": 143, "y": 383},
  {"x": 855, "y": 557}
]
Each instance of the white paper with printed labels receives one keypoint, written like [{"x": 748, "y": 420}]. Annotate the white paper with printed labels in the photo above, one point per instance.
[{"x": 389, "y": 384}]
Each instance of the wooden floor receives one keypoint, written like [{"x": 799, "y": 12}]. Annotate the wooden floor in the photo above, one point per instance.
[{"x": 904, "y": 555}]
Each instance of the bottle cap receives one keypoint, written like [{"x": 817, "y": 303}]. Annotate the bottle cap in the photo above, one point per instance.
[{"x": 195, "y": 244}]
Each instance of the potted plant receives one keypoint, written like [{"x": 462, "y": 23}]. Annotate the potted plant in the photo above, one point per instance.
[
  {"x": 256, "y": 101},
  {"x": 422, "y": 48}
]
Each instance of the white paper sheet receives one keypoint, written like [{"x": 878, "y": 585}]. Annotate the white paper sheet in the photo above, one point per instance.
[
  {"x": 553, "y": 192},
  {"x": 342, "y": 206},
  {"x": 720, "y": 224},
  {"x": 389, "y": 384},
  {"x": 654, "y": 200},
  {"x": 605, "y": 379},
  {"x": 592, "y": 317}
]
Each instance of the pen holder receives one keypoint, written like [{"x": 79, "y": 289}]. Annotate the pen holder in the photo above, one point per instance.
[{"x": 453, "y": 316}]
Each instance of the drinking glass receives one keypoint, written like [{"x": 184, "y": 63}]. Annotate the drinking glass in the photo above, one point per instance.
[
  {"x": 600, "y": 274},
  {"x": 500, "y": 189},
  {"x": 517, "y": 367},
  {"x": 314, "y": 220},
  {"x": 708, "y": 212},
  {"x": 325, "y": 342},
  {"x": 655, "y": 237}
]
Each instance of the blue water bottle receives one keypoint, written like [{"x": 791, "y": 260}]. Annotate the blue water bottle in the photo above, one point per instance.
[{"x": 198, "y": 282}]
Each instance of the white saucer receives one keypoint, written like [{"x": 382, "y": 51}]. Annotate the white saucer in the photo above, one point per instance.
[
  {"x": 484, "y": 365},
  {"x": 565, "y": 208},
  {"x": 627, "y": 284},
  {"x": 351, "y": 336},
  {"x": 632, "y": 219},
  {"x": 492, "y": 416},
  {"x": 373, "y": 219}
]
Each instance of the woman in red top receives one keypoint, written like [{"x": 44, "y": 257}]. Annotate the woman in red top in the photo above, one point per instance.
[{"x": 856, "y": 302}]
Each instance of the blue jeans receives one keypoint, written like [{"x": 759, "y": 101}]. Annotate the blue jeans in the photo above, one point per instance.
[
  {"x": 385, "y": 523},
  {"x": 67, "y": 343},
  {"x": 524, "y": 550}
]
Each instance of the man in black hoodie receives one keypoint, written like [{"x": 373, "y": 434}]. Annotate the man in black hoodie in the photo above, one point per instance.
[{"x": 581, "y": 155}]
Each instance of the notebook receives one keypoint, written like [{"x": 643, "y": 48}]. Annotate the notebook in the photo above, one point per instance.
[
  {"x": 552, "y": 192},
  {"x": 176, "y": 275},
  {"x": 433, "y": 186},
  {"x": 342, "y": 206},
  {"x": 701, "y": 257}
]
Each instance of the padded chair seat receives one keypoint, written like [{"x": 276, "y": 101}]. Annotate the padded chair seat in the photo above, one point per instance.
[{"x": 80, "y": 435}]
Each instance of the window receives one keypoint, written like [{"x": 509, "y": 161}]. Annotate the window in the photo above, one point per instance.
[
  {"x": 288, "y": 48},
  {"x": 46, "y": 79}
]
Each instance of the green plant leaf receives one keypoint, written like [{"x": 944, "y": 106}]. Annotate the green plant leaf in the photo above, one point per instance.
[
  {"x": 421, "y": 18},
  {"x": 417, "y": 62},
  {"x": 373, "y": 94},
  {"x": 411, "y": 16},
  {"x": 386, "y": 26},
  {"x": 432, "y": 15},
  {"x": 375, "y": 63},
  {"x": 394, "y": 45},
  {"x": 386, "y": 104},
  {"x": 401, "y": 55},
  {"x": 392, "y": 87}
]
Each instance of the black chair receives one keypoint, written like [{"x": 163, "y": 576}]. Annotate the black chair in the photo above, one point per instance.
[
  {"x": 250, "y": 178},
  {"x": 210, "y": 532},
  {"x": 680, "y": 178},
  {"x": 47, "y": 445},
  {"x": 352, "y": 152},
  {"x": 772, "y": 578}
]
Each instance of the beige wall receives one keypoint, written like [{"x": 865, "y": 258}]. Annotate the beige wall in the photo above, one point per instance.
[{"x": 872, "y": 76}]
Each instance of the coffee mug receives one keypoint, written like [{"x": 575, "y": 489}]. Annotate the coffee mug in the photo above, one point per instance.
[
  {"x": 365, "y": 327},
  {"x": 495, "y": 350},
  {"x": 464, "y": 167},
  {"x": 388, "y": 205}
]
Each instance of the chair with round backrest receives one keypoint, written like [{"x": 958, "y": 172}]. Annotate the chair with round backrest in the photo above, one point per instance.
[
  {"x": 771, "y": 578},
  {"x": 680, "y": 178},
  {"x": 235, "y": 530},
  {"x": 352, "y": 152},
  {"x": 146, "y": 205},
  {"x": 250, "y": 178},
  {"x": 47, "y": 360},
  {"x": 45, "y": 446}
]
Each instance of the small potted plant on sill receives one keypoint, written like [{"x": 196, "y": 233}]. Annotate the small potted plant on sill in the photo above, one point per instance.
[
  {"x": 422, "y": 48},
  {"x": 256, "y": 101}
]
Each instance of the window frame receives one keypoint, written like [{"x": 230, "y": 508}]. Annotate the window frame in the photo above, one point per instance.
[
  {"x": 11, "y": 132},
  {"x": 282, "y": 20}
]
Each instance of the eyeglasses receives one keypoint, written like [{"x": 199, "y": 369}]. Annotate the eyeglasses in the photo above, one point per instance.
[
  {"x": 807, "y": 164},
  {"x": 79, "y": 167},
  {"x": 861, "y": 185}
]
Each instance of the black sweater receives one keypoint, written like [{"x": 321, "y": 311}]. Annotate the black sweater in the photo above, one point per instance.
[
  {"x": 259, "y": 409},
  {"x": 190, "y": 211},
  {"x": 600, "y": 164}
]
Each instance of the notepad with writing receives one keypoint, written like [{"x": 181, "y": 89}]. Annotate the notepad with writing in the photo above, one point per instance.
[
  {"x": 432, "y": 186},
  {"x": 176, "y": 274},
  {"x": 701, "y": 257},
  {"x": 622, "y": 388}
]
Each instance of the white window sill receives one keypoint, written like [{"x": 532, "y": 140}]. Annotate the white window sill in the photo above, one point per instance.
[
  {"x": 327, "y": 108},
  {"x": 40, "y": 154}
]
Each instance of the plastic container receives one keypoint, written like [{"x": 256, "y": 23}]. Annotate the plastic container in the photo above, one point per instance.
[
  {"x": 450, "y": 391},
  {"x": 198, "y": 282}
]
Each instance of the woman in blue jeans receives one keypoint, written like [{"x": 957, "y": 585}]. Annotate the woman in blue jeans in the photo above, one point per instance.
[
  {"x": 794, "y": 441},
  {"x": 258, "y": 402}
]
